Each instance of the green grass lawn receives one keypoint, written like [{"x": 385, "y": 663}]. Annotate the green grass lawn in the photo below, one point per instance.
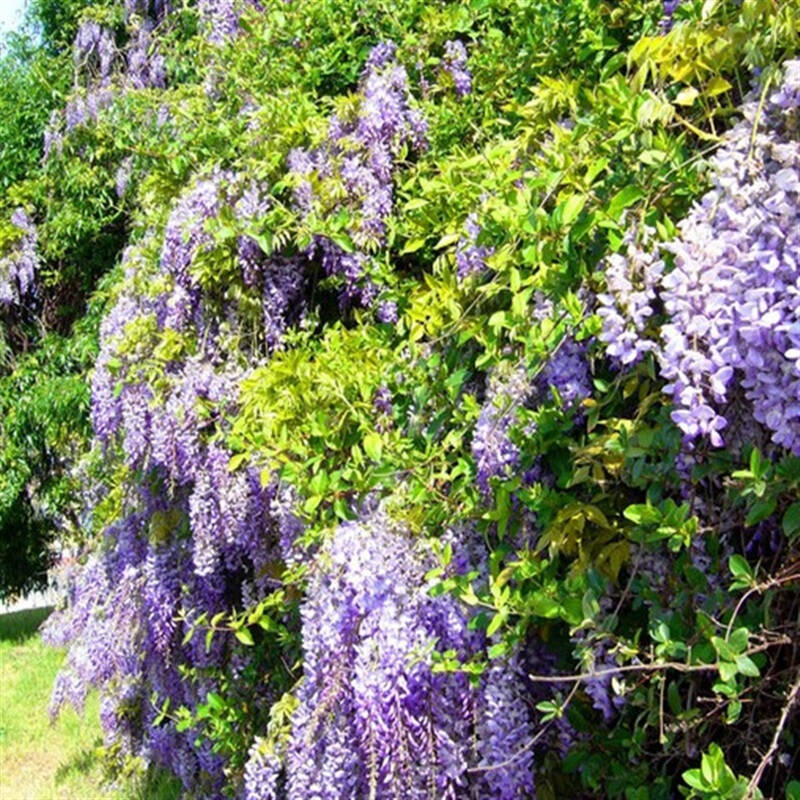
[{"x": 40, "y": 760}]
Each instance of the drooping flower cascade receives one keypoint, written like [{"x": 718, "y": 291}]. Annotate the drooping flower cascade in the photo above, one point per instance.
[
  {"x": 95, "y": 55},
  {"x": 566, "y": 370},
  {"x": 101, "y": 70},
  {"x": 146, "y": 67},
  {"x": 374, "y": 718},
  {"x": 597, "y": 659},
  {"x": 95, "y": 51},
  {"x": 221, "y": 17},
  {"x": 359, "y": 156},
  {"x": 627, "y": 304},
  {"x": 18, "y": 268},
  {"x": 454, "y": 63},
  {"x": 157, "y": 9},
  {"x": 262, "y": 773},
  {"x": 195, "y": 537},
  {"x": 666, "y": 22},
  {"x": 732, "y": 300},
  {"x": 495, "y": 454},
  {"x": 470, "y": 256}
]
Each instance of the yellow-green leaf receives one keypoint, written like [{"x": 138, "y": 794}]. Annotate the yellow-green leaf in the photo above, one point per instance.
[
  {"x": 373, "y": 446},
  {"x": 687, "y": 96}
]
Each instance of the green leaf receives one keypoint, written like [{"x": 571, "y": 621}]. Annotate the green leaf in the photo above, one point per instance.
[
  {"x": 373, "y": 446},
  {"x": 687, "y": 96},
  {"x": 245, "y": 637},
  {"x": 412, "y": 246},
  {"x": 760, "y": 510},
  {"x": 723, "y": 648},
  {"x": 496, "y": 623},
  {"x": 498, "y": 650},
  {"x": 544, "y": 606},
  {"x": 641, "y": 514},
  {"x": 739, "y": 567},
  {"x": 447, "y": 239},
  {"x": 717, "y": 85},
  {"x": 747, "y": 666},
  {"x": 311, "y": 503},
  {"x": 674, "y": 698},
  {"x": 791, "y": 520},
  {"x": 571, "y": 207},
  {"x": 694, "y": 778},
  {"x": 623, "y": 199},
  {"x": 738, "y": 640}
]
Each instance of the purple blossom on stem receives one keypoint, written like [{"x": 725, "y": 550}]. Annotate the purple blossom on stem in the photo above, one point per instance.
[
  {"x": 665, "y": 23},
  {"x": 627, "y": 304},
  {"x": 261, "y": 773},
  {"x": 374, "y": 718},
  {"x": 360, "y": 153},
  {"x": 495, "y": 454},
  {"x": 470, "y": 256},
  {"x": 18, "y": 268},
  {"x": 732, "y": 300},
  {"x": 455, "y": 63},
  {"x": 387, "y": 312}
]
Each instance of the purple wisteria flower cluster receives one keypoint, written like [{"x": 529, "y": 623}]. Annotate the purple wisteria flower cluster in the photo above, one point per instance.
[
  {"x": 627, "y": 304},
  {"x": 359, "y": 156},
  {"x": 146, "y": 67},
  {"x": 221, "y": 17},
  {"x": 566, "y": 370},
  {"x": 470, "y": 256},
  {"x": 732, "y": 300},
  {"x": 666, "y": 21},
  {"x": 195, "y": 538},
  {"x": 19, "y": 266},
  {"x": 601, "y": 689},
  {"x": 156, "y": 9},
  {"x": 454, "y": 63},
  {"x": 95, "y": 51},
  {"x": 262, "y": 773},
  {"x": 495, "y": 454},
  {"x": 102, "y": 71},
  {"x": 374, "y": 718}
]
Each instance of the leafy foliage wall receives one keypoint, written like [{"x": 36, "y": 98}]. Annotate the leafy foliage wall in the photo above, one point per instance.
[{"x": 413, "y": 391}]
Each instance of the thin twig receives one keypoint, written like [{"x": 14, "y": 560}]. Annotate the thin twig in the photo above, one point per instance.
[
  {"x": 677, "y": 666},
  {"x": 760, "y": 588},
  {"x": 791, "y": 698}
]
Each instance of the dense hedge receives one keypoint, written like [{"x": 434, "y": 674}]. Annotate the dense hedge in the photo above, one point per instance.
[{"x": 419, "y": 387}]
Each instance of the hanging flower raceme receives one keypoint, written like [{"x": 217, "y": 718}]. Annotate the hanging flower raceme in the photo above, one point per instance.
[
  {"x": 19, "y": 266},
  {"x": 495, "y": 454},
  {"x": 359, "y": 154},
  {"x": 566, "y": 370},
  {"x": 627, "y": 304},
  {"x": 146, "y": 67},
  {"x": 143, "y": 9},
  {"x": 374, "y": 718},
  {"x": 455, "y": 64},
  {"x": 196, "y": 538},
  {"x": 470, "y": 256},
  {"x": 732, "y": 300},
  {"x": 95, "y": 51},
  {"x": 221, "y": 17}
]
